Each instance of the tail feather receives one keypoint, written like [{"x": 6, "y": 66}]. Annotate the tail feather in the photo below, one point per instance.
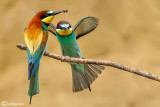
[
  {"x": 90, "y": 74},
  {"x": 30, "y": 69},
  {"x": 81, "y": 80},
  {"x": 96, "y": 68},
  {"x": 34, "y": 84},
  {"x": 91, "y": 71},
  {"x": 30, "y": 99}
]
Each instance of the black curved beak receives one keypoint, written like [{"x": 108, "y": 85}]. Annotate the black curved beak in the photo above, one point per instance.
[
  {"x": 59, "y": 11},
  {"x": 65, "y": 28}
]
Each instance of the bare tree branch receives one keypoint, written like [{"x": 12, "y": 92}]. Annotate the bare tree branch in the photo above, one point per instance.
[{"x": 98, "y": 62}]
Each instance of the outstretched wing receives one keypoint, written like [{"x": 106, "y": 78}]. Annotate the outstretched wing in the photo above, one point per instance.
[
  {"x": 52, "y": 29},
  {"x": 85, "y": 26}
]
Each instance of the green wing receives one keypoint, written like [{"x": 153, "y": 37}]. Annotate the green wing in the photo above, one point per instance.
[{"x": 85, "y": 26}]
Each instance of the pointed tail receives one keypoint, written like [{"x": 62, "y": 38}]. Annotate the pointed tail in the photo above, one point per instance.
[
  {"x": 34, "y": 84},
  {"x": 82, "y": 81}
]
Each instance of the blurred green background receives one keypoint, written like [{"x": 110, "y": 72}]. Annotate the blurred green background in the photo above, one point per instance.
[{"x": 128, "y": 33}]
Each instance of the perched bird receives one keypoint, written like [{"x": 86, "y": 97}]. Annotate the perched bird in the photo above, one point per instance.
[
  {"x": 83, "y": 74},
  {"x": 36, "y": 38}
]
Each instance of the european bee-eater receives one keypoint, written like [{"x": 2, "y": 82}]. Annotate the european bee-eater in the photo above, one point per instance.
[
  {"x": 36, "y": 37},
  {"x": 83, "y": 74}
]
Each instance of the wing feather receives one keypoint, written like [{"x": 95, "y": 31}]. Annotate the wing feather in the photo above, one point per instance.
[
  {"x": 85, "y": 26},
  {"x": 33, "y": 42}
]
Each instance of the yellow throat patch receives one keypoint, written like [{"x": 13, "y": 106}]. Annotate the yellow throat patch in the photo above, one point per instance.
[
  {"x": 64, "y": 32},
  {"x": 48, "y": 20}
]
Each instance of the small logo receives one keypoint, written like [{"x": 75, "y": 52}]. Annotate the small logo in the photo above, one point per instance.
[{"x": 5, "y": 103}]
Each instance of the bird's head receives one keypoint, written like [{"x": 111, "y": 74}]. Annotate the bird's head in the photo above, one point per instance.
[
  {"x": 44, "y": 17},
  {"x": 47, "y": 16},
  {"x": 64, "y": 28}
]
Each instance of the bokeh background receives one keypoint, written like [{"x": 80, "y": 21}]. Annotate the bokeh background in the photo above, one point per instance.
[{"x": 128, "y": 33}]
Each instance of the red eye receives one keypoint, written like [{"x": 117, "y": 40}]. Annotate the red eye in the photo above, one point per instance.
[{"x": 46, "y": 15}]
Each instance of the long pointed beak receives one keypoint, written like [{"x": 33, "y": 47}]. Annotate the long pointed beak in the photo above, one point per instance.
[
  {"x": 65, "y": 28},
  {"x": 59, "y": 11}
]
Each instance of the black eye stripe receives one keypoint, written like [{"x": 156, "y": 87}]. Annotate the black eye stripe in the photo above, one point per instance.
[
  {"x": 59, "y": 27},
  {"x": 49, "y": 14},
  {"x": 42, "y": 17},
  {"x": 46, "y": 15}
]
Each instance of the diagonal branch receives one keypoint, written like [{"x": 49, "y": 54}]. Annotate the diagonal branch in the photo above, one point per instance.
[{"x": 98, "y": 62}]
